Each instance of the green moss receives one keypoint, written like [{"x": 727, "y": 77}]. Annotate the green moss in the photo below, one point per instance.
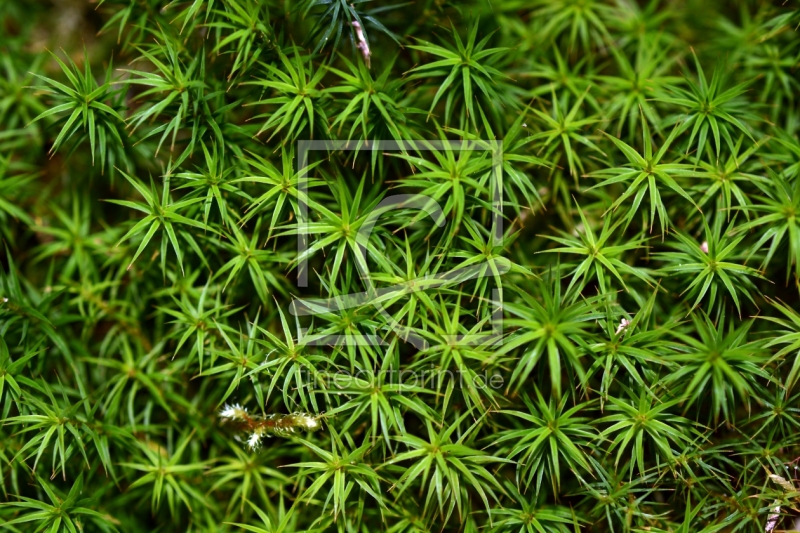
[{"x": 549, "y": 285}]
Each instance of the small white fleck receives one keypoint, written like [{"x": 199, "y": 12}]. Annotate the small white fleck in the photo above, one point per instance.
[
  {"x": 5, "y": 300},
  {"x": 623, "y": 325},
  {"x": 254, "y": 441},
  {"x": 311, "y": 423},
  {"x": 704, "y": 247},
  {"x": 233, "y": 412},
  {"x": 773, "y": 518},
  {"x": 362, "y": 42}
]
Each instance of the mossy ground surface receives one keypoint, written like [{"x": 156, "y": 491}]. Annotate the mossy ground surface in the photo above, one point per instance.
[{"x": 582, "y": 314}]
